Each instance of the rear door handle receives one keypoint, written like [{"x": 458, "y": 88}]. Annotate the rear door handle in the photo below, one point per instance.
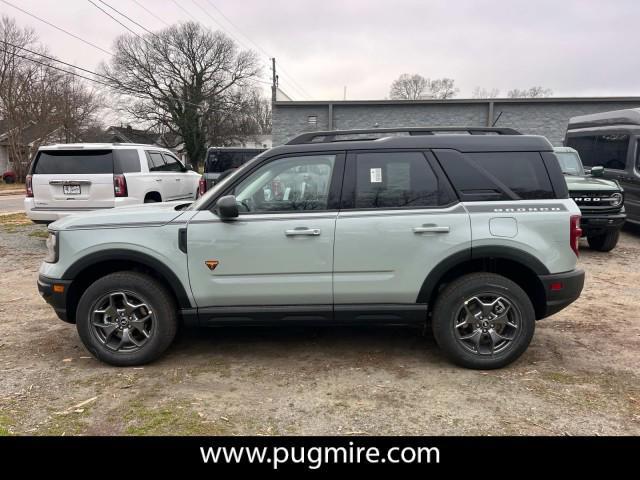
[
  {"x": 309, "y": 232},
  {"x": 158, "y": 179},
  {"x": 430, "y": 229}
]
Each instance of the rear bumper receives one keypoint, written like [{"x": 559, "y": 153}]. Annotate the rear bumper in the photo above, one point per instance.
[
  {"x": 51, "y": 214},
  {"x": 599, "y": 223},
  {"x": 561, "y": 289},
  {"x": 57, "y": 299}
]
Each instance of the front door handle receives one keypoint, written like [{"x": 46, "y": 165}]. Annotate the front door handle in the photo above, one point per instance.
[
  {"x": 158, "y": 179},
  {"x": 309, "y": 232},
  {"x": 430, "y": 229}
]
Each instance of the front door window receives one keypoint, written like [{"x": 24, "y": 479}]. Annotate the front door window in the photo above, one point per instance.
[{"x": 287, "y": 185}]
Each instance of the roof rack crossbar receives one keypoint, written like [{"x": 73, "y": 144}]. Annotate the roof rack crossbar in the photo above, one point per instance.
[{"x": 330, "y": 135}]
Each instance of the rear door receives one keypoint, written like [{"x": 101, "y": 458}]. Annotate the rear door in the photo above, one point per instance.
[
  {"x": 73, "y": 179},
  {"x": 181, "y": 178},
  {"x": 165, "y": 179},
  {"x": 399, "y": 218}
]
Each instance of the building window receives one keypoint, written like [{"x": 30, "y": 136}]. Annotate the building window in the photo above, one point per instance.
[{"x": 312, "y": 120}]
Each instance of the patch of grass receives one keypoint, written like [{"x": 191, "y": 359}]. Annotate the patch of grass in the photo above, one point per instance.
[
  {"x": 167, "y": 420},
  {"x": 39, "y": 234},
  {"x": 14, "y": 219},
  {"x": 561, "y": 377},
  {"x": 4, "y": 426},
  {"x": 11, "y": 186}
]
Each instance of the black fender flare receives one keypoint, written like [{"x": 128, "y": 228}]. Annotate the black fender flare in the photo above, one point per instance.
[
  {"x": 478, "y": 253},
  {"x": 136, "y": 257}
]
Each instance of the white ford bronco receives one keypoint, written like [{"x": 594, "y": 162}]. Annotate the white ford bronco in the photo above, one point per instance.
[{"x": 472, "y": 233}]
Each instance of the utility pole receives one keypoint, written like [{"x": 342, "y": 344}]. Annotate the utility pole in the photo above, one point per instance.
[{"x": 274, "y": 85}]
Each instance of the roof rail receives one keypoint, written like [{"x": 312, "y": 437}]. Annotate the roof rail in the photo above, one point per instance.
[{"x": 332, "y": 135}]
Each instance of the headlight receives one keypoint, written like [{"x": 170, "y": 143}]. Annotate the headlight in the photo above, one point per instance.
[
  {"x": 616, "y": 199},
  {"x": 52, "y": 248}
]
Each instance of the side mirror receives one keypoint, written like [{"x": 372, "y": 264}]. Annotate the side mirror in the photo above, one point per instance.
[
  {"x": 597, "y": 171},
  {"x": 227, "y": 207},
  {"x": 188, "y": 166}
]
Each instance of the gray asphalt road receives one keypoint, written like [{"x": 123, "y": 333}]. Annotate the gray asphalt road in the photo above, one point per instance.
[{"x": 11, "y": 203}]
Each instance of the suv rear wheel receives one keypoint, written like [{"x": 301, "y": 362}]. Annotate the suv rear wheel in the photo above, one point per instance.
[
  {"x": 483, "y": 321},
  {"x": 604, "y": 242},
  {"x": 126, "y": 318}
]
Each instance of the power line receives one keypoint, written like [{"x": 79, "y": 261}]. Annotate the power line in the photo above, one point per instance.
[
  {"x": 56, "y": 27},
  {"x": 292, "y": 80},
  {"x": 185, "y": 11},
  {"x": 115, "y": 19},
  {"x": 121, "y": 88},
  {"x": 139, "y": 25},
  {"x": 293, "y": 84},
  {"x": 128, "y": 18},
  {"x": 150, "y": 13}
]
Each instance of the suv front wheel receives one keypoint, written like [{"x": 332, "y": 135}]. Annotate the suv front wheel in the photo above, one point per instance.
[
  {"x": 604, "y": 242},
  {"x": 483, "y": 321},
  {"x": 126, "y": 318}
]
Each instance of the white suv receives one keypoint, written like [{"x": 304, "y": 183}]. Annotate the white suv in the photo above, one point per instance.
[{"x": 70, "y": 178}]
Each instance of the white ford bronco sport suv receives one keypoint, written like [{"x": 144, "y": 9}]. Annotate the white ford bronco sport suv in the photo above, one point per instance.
[
  {"x": 471, "y": 233},
  {"x": 71, "y": 178}
]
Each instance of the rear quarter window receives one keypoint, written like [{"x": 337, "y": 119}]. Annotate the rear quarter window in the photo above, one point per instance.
[
  {"x": 126, "y": 161},
  {"x": 523, "y": 173},
  {"x": 67, "y": 162}
]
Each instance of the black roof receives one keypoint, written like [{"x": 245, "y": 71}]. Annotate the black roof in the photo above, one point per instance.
[
  {"x": 627, "y": 117},
  {"x": 462, "y": 143}
]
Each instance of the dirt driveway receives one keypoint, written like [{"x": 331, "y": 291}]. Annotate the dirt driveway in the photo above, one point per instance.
[{"x": 581, "y": 374}]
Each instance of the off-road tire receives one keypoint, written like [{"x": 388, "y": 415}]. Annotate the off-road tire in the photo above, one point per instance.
[
  {"x": 452, "y": 299},
  {"x": 159, "y": 301}
]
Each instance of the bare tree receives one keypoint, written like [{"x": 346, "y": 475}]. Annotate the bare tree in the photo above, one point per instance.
[
  {"x": 409, "y": 87},
  {"x": 485, "y": 93},
  {"x": 36, "y": 100},
  {"x": 533, "y": 92},
  {"x": 417, "y": 87},
  {"x": 180, "y": 77}
]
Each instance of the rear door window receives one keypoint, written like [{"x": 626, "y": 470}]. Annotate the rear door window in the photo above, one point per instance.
[
  {"x": 395, "y": 180},
  {"x": 155, "y": 162},
  {"x": 171, "y": 163},
  {"x": 61, "y": 162}
]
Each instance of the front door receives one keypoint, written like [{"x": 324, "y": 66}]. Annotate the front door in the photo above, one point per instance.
[{"x": 279, "y": 251}]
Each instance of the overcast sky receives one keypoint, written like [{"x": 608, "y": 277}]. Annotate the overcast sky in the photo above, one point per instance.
[{"x": 574, "y": 47}]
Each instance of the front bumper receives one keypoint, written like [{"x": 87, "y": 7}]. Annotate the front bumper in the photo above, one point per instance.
[
  {"x": 56, "y": 297},
  {"x": 561, "y": 289},
  {"x": 599, "y": 223}
]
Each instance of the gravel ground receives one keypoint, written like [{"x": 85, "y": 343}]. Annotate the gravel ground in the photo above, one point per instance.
[{"x": 581, "y": 374}]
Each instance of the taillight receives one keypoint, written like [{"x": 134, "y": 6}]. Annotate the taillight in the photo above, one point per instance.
[
  {"x": 575, "y": 232},
  {"x": 202, "y": 186},
  {"x": 29, "y": 186},
  {"x": 119, "y": 186}
]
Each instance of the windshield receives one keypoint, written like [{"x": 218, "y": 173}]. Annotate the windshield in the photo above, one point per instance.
[{"x": 570, "y": 163}]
